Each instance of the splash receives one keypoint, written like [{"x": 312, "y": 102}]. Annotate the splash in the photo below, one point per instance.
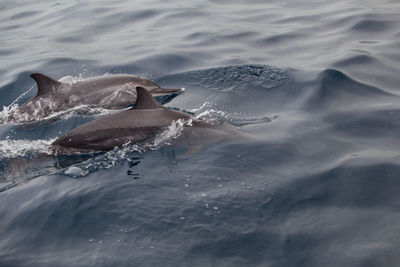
[
  {"x": 210, "y": 111},
  {"x": 7, "y": 113},
  {"x": 170, "y": 133},
  {"x": 24, "y": 160},
  {"x": 11, "y": 114},
  {"x": 24, "y": 148}
]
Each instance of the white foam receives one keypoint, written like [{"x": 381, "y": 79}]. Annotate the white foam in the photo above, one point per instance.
[
  {"x": 173, "y": 131},
  {"x": 208, "y": 110},
  {"x": 6, "y": 112},
  {"x": 24, "y": 147}
]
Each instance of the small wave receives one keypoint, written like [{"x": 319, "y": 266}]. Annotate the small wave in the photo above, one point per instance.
[
  {"x": 337, "y": 89},
  {"x": 281, "y": 39},
  {"x": 356, "y": 60}
]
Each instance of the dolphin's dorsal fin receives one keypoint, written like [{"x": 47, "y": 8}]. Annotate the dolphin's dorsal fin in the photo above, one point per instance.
[
  {"x": 45, "y": 84},
  {"x": 145, "y": 100}
]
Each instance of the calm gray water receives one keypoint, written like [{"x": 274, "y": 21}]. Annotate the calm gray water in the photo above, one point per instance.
[{"x": 315, "y": 85}]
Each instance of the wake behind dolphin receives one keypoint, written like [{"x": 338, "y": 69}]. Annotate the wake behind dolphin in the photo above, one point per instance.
[{"x": 109, "y": 92}]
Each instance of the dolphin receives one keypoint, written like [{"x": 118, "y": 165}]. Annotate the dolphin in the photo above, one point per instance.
[
  {"x": 109, "y": 91},
  {"x": 141, "y": 123}
]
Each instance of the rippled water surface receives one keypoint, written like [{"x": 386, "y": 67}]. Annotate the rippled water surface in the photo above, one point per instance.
[{"x": 314, "y": 87}]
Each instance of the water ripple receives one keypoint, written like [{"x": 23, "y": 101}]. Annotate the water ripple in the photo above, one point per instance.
[{"x": 315, "y": 84}]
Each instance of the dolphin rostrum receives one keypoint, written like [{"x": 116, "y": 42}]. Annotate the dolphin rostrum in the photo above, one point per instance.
[
  {"x": 141, "y": 123},
  {"x": 108, "y": 91}
]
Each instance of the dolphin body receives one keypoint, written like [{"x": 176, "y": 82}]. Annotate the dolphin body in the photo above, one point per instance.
[
  {"x": 141, "y": 123},
  {"x": 109, "y": 92}
]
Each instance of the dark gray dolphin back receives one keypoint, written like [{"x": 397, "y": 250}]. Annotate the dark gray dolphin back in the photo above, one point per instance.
[
  {"x": 45, "y": 84},
  {"x": 145, "y": 100}
]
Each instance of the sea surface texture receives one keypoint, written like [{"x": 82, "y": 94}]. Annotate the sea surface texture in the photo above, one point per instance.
[{"x": 313, "y": 86}]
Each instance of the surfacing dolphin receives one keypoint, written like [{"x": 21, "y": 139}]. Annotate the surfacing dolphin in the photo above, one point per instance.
[
  {"x": 109, "y": 91},
  {"x": 141, "y": 123}
]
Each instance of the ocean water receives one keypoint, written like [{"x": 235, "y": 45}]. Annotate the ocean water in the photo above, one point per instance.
[{"x": 314, "y": 85}]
